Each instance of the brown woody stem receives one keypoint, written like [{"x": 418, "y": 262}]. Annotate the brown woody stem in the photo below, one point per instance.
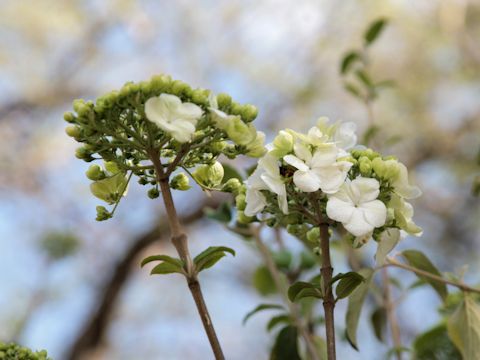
[{"x": 180, "y": 241}]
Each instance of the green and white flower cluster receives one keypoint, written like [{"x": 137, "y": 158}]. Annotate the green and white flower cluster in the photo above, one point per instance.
[
  {"x": 306, "y": 180},
  {"x": 165, "y": 121}
]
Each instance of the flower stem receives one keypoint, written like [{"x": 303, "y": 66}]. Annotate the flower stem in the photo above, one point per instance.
[
  {"x": 390, "y": 310},
  {"x": 275, "y": 273},
  {"x": 328, "y": 300},
  {"x": 179, "y": 240}
]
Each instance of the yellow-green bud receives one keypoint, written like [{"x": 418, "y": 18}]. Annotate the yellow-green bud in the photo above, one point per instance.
[
  {"x": 365, "y": 166},
  {"x": 153, "y": 193},
  {"x": 291, "y": 219},
  {"x": 146, "y": 87},
  {"x": 313, "y": 234},
  {"x": 232, "y": 185},
  {"x": 391, "y": 170},
  {"x": 180, "y": 182},
  {"x": 371, "y": 154},
  {"x": 240, "y": 202},
  {"x": 282, "y": 144},
  {"x": 69, "y": 117},
  {"x": 126, "y": 89},
  {"x": 378, "y": 166},
  {"x": 249, "y": 113},
  {"x": 73, "y": 131},
  {"x": 95, "y": 172},
  {"x": 223, "y": 100},
  {"x": 244, "y": 219},
  {"x": 239, "y": 132},
  {"x": 209, "y": 175},
  {"x": 102, "y": 213},
  {"x": 160, "y": 83},
  {"x": 257, "y": 148},
  {"x": 82, "y": 153},
  {"x": 296, "y": 229},
  {"x": 200, "y": 96},
  {"x": 78, "y": 105},
  {"x": 181, "y": 88},
  {"x": 349, "y": 159},
  {"x": 218, "y": 146}
]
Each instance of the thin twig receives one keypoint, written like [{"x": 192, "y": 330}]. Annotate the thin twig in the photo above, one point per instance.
[
  {"x": 390, "y": 310},
  {"x": 462, "y": 286}
]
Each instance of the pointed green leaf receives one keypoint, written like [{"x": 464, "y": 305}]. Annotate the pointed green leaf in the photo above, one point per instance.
[
  {"x": 263, "y": 282},
  {"x": 463, "y": 328},
  {"x": 379, "y": 322},
  {"x": 374, "y": 31},
  {"x": 166, "y": 268},
  {"x": 364, "y": 78},
  {"x": 303, "y": 289},
  {"x": 355, "y": 304},
  {"x": 210, "y": 256},
  {"x": 276, "y": 320},
  {"x": 348, "y": 282},
  {"x": 418, "y": 260},
  {"x": 348, "y": 60},
  {"x": 164, "y": 258},
  {"x": 353, "y": 90},
  {"x": 286, "y": 345},
  {"x": 261, "y": 307}
]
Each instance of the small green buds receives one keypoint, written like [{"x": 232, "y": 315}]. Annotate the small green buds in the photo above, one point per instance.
[
  {"x": 95, "y": 172},
  {"x": 249, "y": 112},
  {"x": 239, "y": 132},
  {"x": 73, "y": 131},
  {"x": 365, "y": 166},
  {"x": 209, "y": 176},
  {"x": 313, "y": 235},
  {"x": 69, "y": 117},
  {"x": 232, "y": 185},
  {"x": 244, "y": 219},
  {"x": 180, "y": 182},
  {"x": 153, "y": 193},
  {"x": 282, "y": 144},
  {"x": 102, "y": 213},
  {"x": 240, "y": 202}
]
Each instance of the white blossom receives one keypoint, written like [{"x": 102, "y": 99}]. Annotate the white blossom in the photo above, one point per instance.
[
  {"x": 171, "y": 115},
  {"x": 356, "y": 206}
]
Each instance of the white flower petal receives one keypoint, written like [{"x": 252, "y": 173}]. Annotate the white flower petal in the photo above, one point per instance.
[
  {"x": 182, "y": 130},
  {"x": 402, "y": 186},
  {"x": 345, "y": 136},
  {"x": 325, "y": 156},
  {"x": 303, "y": 152},
  {"x": 155, "y": 110},
  {"x": 306, "y": 181},
  {"x": 275, "y": 184},
  {"x": 190, "y": 112},
  {"x": 365, "y": 189},
  {"x": 270, "y": 164},
  {"x": 339, "y": 210},
  {"x": 374, "y": 212},
  {"x": 357, "y": 225},
  {"x": 256, "y": 201},
  {"x": 295, "y": 162}
]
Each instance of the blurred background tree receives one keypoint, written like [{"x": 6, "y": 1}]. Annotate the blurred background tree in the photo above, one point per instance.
[{"x": 282, "y": 56}]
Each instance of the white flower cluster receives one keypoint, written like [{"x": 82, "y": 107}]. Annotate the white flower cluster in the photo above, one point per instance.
[{"x": 360, "y": 189}]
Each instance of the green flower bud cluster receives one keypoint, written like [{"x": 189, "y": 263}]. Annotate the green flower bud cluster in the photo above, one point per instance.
[
  {"x": 16, "y": 352},
  {"x": 116, "y": 128},
  {"x": 180, "y": 182}
]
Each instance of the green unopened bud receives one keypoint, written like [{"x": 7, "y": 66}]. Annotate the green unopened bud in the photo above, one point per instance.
[
  {"x": 291, "y": 219},
  {"x": 313, "y": 235},
  {"x": 298, "y": 230},
  {"x": 153, "y": 193},
  {"x": 73, "y": 131},
  {"x": 78, "y": 105},
  {"x": 232, "y": 185},
  {"x": 180, "y": 182},
  {"x": 82, "y": 153},
  {"x": 349, "y": 159},
  {"x": 160, "y": 83},
  {"x": 230, "y": 151},
  {"x": 224, "y": 100},
  {"x": 95, "y": 172},
  {"x": 249, "y": 113},
  {"x": 371, "y": 154},
  {"x": 365, "y": 166},
  {"x": 244, "y": 219},
  {"x": 378, "y": 166},
  {"x": 69, "y": 117},
  {"x": 102, "y": 213},
  {"x": 180, "y": 88},
  {"x": 239, "y": 132},
  {"x": 240, "y": 202},
  {"x": 145, "y": 87},
  {"x": 200, "y": 96},
  {"x": 235, "y": 108},
  {"x": 218, "y": 146},
  {"x": 257, "y": 148},
  {"x": 391, "y": 170},
  {"x": 282, "y": 144},
  {"x": 209, "y": 176}
]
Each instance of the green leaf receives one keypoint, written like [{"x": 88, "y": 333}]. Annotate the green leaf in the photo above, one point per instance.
[
  {"x": 463, "y": 327},
  {"x": 353, "y": 90},
  {"x": 210, "y": 257},
  {"x": 261, "y": 307},
  {"x": 418, "y": 260},
  {"x": 389, "y": 238},
  {"x": 348, "y": 60},
  {"x": 374, "y": 31},
  {"x": 286, "y": 345},
  {"x": 165, "y": 258},
  {"x": 348, "y": 282},
  {"x": 166, "y": 268},
  {"x": 340, "y": 276},
  {"x": 263, "y": 282},
  {"x": 282, "y": 259},
  {"x": 364, "y": 78},
  {"x": 276, "y": 320},
  {"x": 435, "y": 344},
  {"x": 229, "y": 172},
  {"x": 222, "y": 214},
  {"x": 379, "y": 322},
  {"x": 303, "y": 289},
  {"x": 355, "y": 304}
]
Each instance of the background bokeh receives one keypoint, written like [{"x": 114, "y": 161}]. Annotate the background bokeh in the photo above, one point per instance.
[{"x": 282, "y": 56}]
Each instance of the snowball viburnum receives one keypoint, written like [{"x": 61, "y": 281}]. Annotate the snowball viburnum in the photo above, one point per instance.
[
  {"x": 171, "y": 115},
  {"x": 356, "y": 206}
]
